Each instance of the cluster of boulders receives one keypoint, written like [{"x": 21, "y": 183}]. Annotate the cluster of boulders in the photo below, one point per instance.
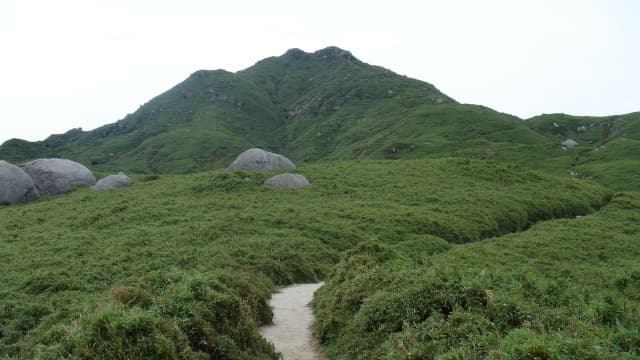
[
  {"x": 260, "y": 160},
  {"x": 26, "y": 182}
]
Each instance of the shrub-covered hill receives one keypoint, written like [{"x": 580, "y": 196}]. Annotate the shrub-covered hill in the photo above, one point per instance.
[
  {"x": 210, "y": 117},
  {"x": 564, "y": 289},
  {"x": 608, "y": 150},
  {"x": 308, "y": 106},
  {"x": 328, "y": 105},
  {"x": 182, "y": 266}
]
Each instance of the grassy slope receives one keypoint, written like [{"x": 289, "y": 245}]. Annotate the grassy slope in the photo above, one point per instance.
[
  {"x": 205, "y": 121},
  {"x": 311, "y": 107},
  {"x": 329, "y": 105},
  {"x": 608, "y": 150},
  {"x": 190, "y": 127},
  {"x": 564, "y": 289},
  {"x": 183, "y": 266}
]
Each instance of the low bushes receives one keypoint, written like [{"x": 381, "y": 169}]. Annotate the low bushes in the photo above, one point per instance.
[
  {"x": 171, "y": 316},
  {"x": 190, "y": 260},
  {"x": 545, "y": 293}
]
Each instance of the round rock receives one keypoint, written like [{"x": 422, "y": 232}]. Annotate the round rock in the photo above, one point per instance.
[
  {"x": 569, "y": 143},
  {"x": 16, "y": 186},
  {"x": 257, "y": 159},
  {"x": 57, "y": 176},
  {"x": 287, "y": 181},
  {"x": 112, "y": 181}
]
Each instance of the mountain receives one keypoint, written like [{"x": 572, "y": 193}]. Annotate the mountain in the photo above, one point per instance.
[
  {"x": 308, "y": 106},
  {"x": 421, "y": 258},
  {"x": 329, "y": 105}
]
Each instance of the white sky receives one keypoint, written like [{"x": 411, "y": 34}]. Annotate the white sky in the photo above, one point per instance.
[{"x": 85, "y": 63}]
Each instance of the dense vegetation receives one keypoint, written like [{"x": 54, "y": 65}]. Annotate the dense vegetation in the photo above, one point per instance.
[
  {"x": 564, "y": 289},
  {"x": 182, "y": 266},
  {"x": 296, "y": 104},
  {"x": 451, "y": 251},
  {"x": 329, "y": 105},
  {"x": 608, "y": 146}
]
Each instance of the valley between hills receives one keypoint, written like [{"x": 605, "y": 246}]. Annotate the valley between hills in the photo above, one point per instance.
[{"x": 440, "y": 229}]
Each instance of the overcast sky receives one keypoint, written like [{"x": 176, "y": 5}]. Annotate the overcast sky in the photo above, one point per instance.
[{"x": 85, "y": 63}]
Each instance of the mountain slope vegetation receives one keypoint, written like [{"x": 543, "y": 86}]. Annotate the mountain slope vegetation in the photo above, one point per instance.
[
  {"x": 328, "y": 105},
  {"x": 441, "y": 230},
  {"x": 564, "y": 289},
  {"x": 309, "y": 106},
  {"x": 608, "y": 147},
  {"x": 209, "y": 118}
]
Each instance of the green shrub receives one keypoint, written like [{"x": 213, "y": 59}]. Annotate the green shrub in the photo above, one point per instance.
[
  {"x": 117, "y": 333},
  {"x": 544, "y": 293},
  {"x": 210, "y": 315}
]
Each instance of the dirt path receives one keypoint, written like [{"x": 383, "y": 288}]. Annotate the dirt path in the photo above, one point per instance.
[{"x": 292, "y": 318}]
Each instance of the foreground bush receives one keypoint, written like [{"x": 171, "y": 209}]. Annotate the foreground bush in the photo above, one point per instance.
[{"x": 171, "y": 316}]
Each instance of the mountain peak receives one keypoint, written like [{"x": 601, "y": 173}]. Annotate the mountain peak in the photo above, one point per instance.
[
  {"x": 335, "y": 52},
  {"x": 331, "y": 52},
  {"x": 295, "y": 52}
]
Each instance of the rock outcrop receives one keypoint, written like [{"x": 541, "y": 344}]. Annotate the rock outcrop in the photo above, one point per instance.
[
  {"x": 57, "y": 176},
  {"x": 287, "y": 181},
  {"x": 569, "y": 143},
  {"x": 112, "y": 181},
  {"x": 257, "y": 159},
  {"x": 16, "y": 186}
]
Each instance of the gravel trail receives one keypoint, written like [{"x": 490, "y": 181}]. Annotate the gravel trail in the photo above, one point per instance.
[{"x": 290, "y": 332}]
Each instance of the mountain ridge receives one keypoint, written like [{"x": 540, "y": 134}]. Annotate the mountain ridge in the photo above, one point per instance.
[
  {"x": 320, "y": 106},
  {"x": 275, "y": 89}
]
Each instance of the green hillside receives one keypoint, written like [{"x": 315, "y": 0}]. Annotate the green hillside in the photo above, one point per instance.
[
  {"x": 564, "y": 289},
  {"x": 182, "y": 266},
  {"x": 328, "y": 105},
  {"x": 442, "y": 230},
  {"x": 609, "y": 147},
  {"x": 308, "y": 106}
]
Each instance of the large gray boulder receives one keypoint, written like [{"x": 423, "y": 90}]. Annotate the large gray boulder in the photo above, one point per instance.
[
  {"x": 287, "y": 181},
  {"x": 258, "y": 159},
  {"x": 16, "y": 185},
  {"x": 112, "y": 181},
  {"x": 57, "y": 176}
]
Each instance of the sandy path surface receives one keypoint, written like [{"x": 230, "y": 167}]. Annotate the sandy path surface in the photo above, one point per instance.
[{"x": 292, "y": 318}]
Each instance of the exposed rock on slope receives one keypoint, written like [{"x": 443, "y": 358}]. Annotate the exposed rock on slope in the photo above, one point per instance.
[
  {"x": 15, "y": 185},
  {"x": 112, "y": 181},
  {"x": 57, "y": 176},
  {"x": 258, "y": 159},
  {"x": 569, "y": 143},
  {"x": 287, "y": 181}
]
